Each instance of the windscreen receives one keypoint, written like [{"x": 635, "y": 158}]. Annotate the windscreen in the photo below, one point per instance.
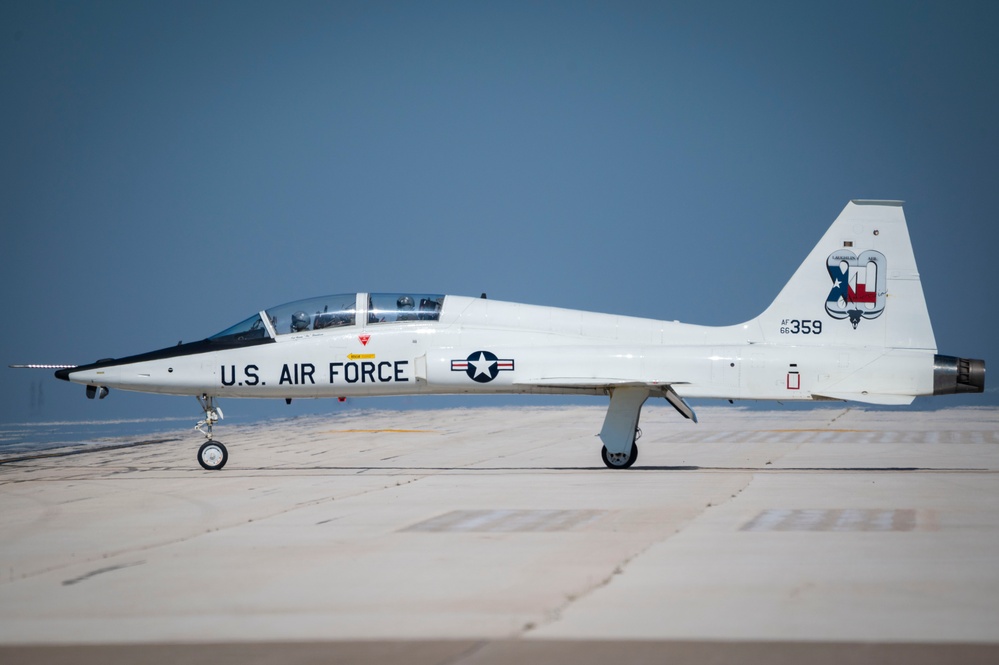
[{"x": 252, "y": 328}]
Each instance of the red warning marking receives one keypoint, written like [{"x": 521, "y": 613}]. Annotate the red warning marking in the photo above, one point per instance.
[
  {"x": 364, "y": 339},
  {"x": 793, "y": 381}
]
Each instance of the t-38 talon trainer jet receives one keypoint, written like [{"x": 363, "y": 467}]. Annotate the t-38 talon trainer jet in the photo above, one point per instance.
[{"x": 851, "y": 324}]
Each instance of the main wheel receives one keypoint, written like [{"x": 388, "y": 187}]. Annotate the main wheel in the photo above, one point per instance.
[
  {"x": 212, "y": 455},
  {"x": 620, "y": 460}
]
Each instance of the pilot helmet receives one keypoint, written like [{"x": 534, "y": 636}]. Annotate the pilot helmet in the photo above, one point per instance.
[
  {"x": 404, "y": 302},
  {"x": 299, "y": 321}
]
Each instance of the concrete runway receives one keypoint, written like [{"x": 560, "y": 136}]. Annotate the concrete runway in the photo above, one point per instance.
[{"x": 491, "y": 535}]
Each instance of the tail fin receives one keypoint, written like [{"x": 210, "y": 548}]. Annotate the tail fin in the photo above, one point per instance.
[{"x": 858, "y": 287}]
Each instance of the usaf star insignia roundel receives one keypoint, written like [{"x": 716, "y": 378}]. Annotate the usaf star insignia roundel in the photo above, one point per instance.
[{"x": 481, "y": 366}]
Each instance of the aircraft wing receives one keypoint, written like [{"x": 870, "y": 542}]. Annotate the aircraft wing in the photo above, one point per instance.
[
  {"x": 656, "y": 389},
  {"x": 585, "y": 383},
  {"x": 873, "y": 398}
]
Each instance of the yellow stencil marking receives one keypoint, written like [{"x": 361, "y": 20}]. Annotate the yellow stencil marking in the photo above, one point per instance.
[{"x": 361, "y": 356}]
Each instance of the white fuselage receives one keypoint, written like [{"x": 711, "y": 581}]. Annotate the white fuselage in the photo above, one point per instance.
[
  {"x": 537, "y": 350},
  {"x": 850, "y": 324}
]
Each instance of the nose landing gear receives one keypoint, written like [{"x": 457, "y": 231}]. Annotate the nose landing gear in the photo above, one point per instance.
[{"x": 212, "y": 455}]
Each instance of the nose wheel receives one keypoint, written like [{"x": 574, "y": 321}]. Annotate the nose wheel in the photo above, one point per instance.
[{"x": 212, "y": 455}]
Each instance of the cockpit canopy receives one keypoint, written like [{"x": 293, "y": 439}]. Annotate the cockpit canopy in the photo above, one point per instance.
[
  {"x": 333, "y": 312},
  {"x": 392, "y": 307}
]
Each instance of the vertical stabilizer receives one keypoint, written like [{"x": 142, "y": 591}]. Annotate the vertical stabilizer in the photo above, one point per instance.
[{"x": 858, "y": 287}]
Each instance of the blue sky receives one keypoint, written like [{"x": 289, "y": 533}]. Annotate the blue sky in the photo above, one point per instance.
[{"x": 169, "y": 168}]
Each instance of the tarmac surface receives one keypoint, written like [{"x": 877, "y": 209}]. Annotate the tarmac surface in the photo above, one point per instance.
[{"x": 495, "y": 535}]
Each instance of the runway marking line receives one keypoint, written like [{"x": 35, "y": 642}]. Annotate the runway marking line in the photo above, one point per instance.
[
  {"x": 814, "y": 430},
  {"x": 851, "y": 519},
  {"x": 507, "y": 521},
  {"x": 380, "y": 431}
]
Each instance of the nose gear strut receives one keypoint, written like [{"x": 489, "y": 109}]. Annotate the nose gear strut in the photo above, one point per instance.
[
  {"x": 212, "y": 455},
  {"x": 213, "y": 414}
]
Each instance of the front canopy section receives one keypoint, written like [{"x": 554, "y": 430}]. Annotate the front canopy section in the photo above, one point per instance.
[
  {"x": 314, "y": 314},
  {"x": 294, "y": 317},
  {"x": 333, "y": 311}
]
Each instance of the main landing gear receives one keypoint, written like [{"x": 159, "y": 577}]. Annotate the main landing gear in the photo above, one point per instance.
[
  {"x": 212, "y": 455},
  {"x": 622, "y": 460}
]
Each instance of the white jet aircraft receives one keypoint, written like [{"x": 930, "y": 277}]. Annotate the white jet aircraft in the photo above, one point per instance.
[{"x": 851, "y": 324}]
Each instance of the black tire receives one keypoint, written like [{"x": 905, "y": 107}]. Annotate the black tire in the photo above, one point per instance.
[
  {"x": 212, "y": 455},
  {"x": 631, "y": 458}
]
